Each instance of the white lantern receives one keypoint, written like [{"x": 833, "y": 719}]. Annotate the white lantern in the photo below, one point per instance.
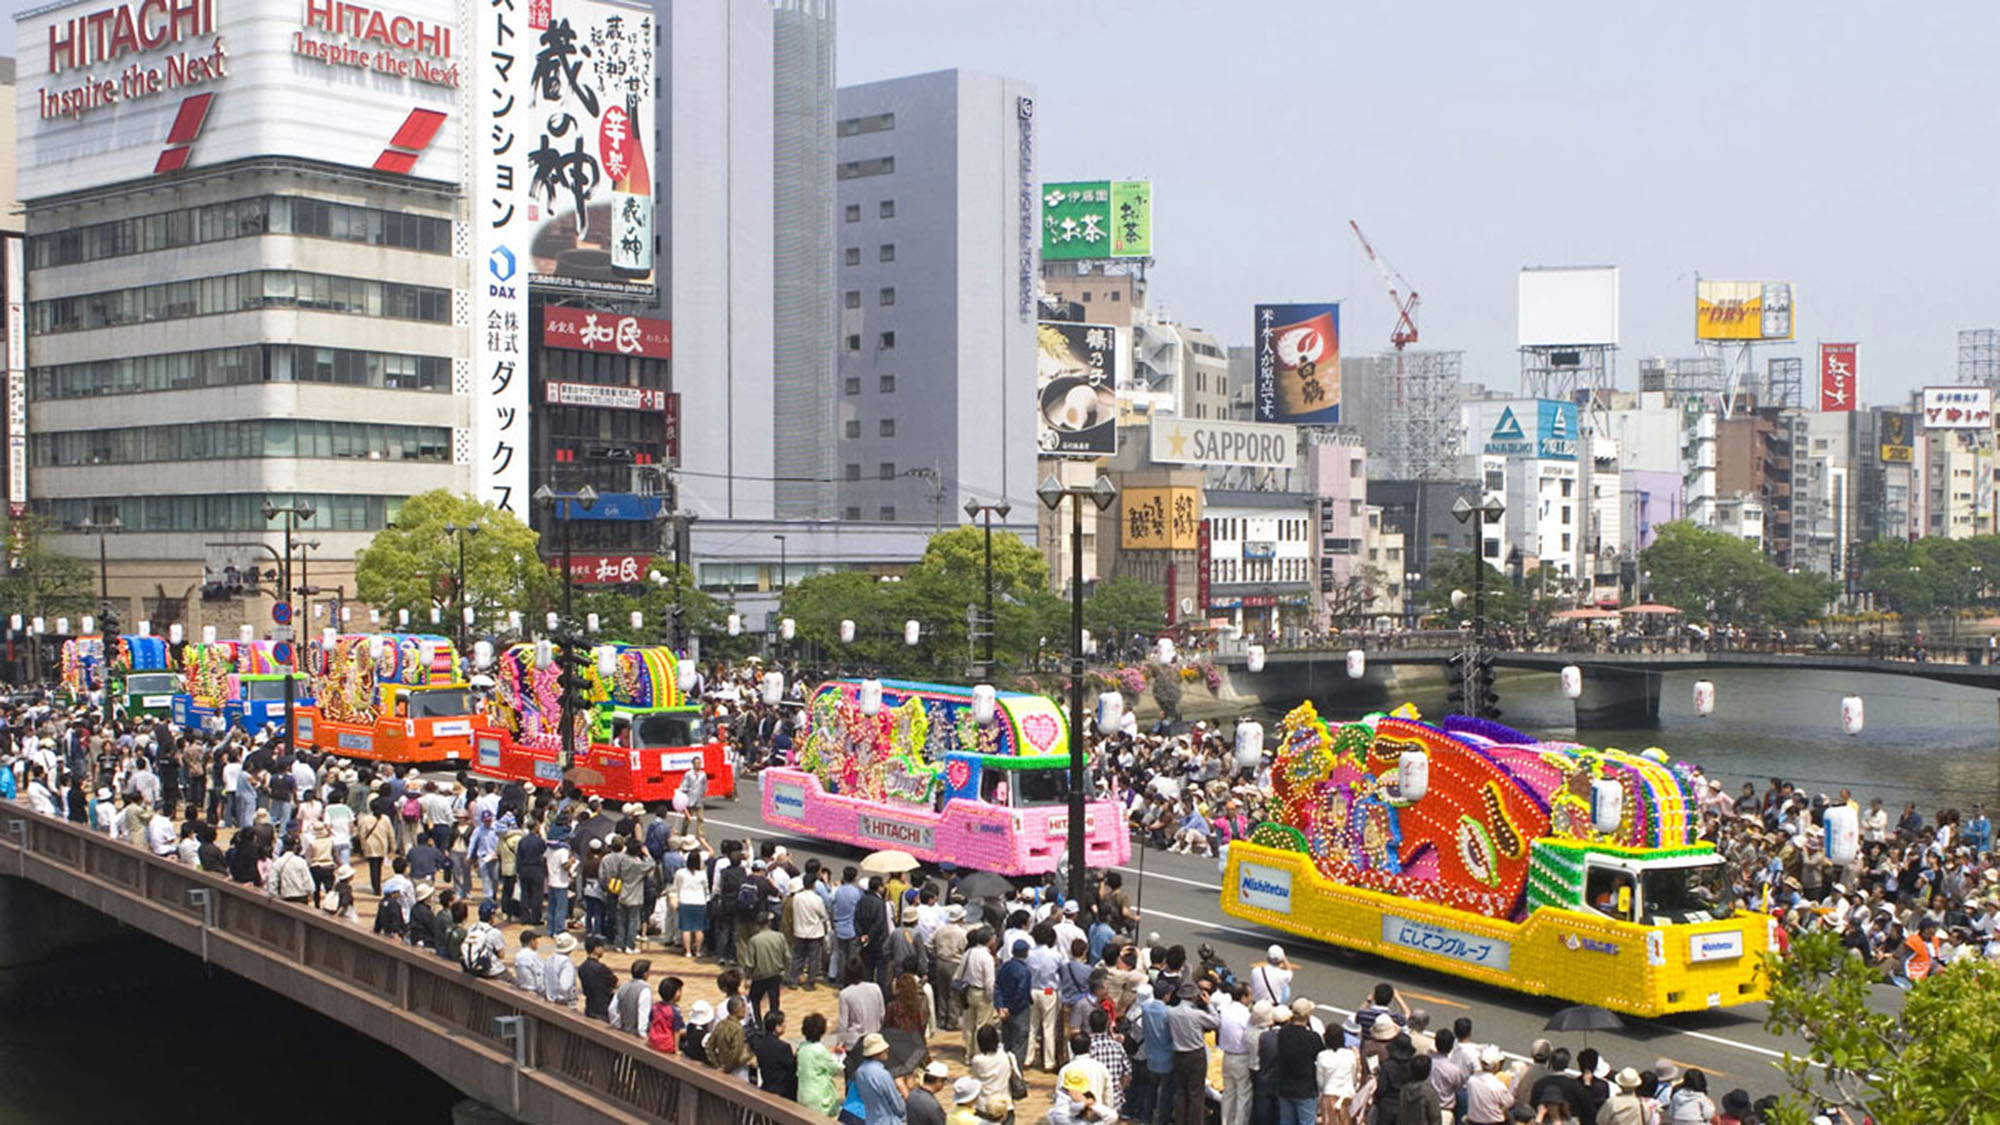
[
  {"x": 871, "y": 697},
  {"x": 912, "y": 632},
  {"x": 374, "y": 617},
  {"x": 482, "y": 654},
  {"x": 774, "y": 688},
  {"x": 638, "y": 620},
  {"x": 513, "y": 620},
  {"x": 545, "y": 654},
  {"x": 1572, "y": 681},
  {"x": 735, "y": 624},
  {"x": 1249, "y": 744},
  {"x": 1704, "y": 698},
  {"x": 1110, "y": 712},
  {"x": 1357, "y": 664},
  {"x": 14, "y": 623},
  {"x": 347, "y": 614},
  {"x": 319, "y": 611},
  {"x": 1164, "y": 650},
  {"x": 1413, "y": 776},
  {"x": 247, "y": 633},
  {"x": 607, "y": 660},
  {"x": 145, "y": 628},
  {"x": 985, "y": 704},
  {"x": 1458, "y": 599},
  {"x": 1851, "y": 717},
  {"x": 846, "y": 632},
  {"x": 787, "y": 628},
  {"x": 62, "y": 626},
  {"x": 466, "y": 615},
  {"x": 1254, "y": 658},
  {"x": 435, "y": 615},
  {"x": 1089, "y": 644},
  {"x": 174, "y": 633},
  {"x": 552, "y": 620},
  {"x": 685, "y": 676},
  {"x": 403, "y": 618},
  {"x": 208, "y": 634},
  {"x": 1607, "y": 805},
  {"x": 329, "y": 635},
  {"x": 90, "y": 624},
  {"x": 1843, "y": 835},
  {"x": 590, "y": 622}
]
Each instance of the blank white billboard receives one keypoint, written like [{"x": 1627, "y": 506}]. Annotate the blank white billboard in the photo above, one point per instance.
[{"x": 1569, "y": 305}]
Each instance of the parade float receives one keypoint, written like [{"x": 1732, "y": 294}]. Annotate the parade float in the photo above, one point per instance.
[
  {"x": 140, "y": 668},
  {"x": 968, "y": 776},
  {"x": 237, "y": 685},
  {"x": 388, "y": 697},
  {"x": 635, "y": 741},
  {"x": 1472, "y": 849}
]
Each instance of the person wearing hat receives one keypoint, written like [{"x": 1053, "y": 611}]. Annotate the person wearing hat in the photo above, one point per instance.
[
  {"x": 1272, "y": 979},
  {"x": 1488, "y": 1097},
  {"x": 692, "y": 1043},
  {"x": 921, "y": 1105},
  {"x": 1076, "y": 1102},
  {"x": 881, "y": 1095},
  {"x": 964, "y": 1096},
  {"x": 1666, "y": 1072},
  {"x": 1736, "y": 1107},
  {"x": 1540, "y": 1054},
  {"x": 1187, "y": 1022}
]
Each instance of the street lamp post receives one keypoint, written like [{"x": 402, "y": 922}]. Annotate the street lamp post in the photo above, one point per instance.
[
  {"x": 458, "y": 581},
  {"x": 294, "y": 515},
  {"x": 108, "y": 620},
  {"x": 1480, "y": 515},
  {"x": 561, "y": 505},
  {"x": 784, "y": 565},
  {"x": 1103, "y": 493},
  {"x": 974, "y": 510}
]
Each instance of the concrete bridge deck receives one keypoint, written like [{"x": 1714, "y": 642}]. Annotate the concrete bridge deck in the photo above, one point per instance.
[{"x": 1972, "y": 675}]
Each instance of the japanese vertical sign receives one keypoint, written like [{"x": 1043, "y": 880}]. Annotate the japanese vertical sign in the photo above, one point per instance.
[
  {"x": 500, "y": 127},
  {"x": 1160, "y": 519},
  {"x": 1298, "y": 363},
  {"x": 1076, "y": 389},
  {"x": 1836, "y": 377},
  {"x": 1097, "y": 219}
]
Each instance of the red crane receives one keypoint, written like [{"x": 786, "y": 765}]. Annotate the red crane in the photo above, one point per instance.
[{"x": 1401, "y": 294}]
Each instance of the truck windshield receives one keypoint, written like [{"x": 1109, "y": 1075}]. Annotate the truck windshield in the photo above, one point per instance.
[
  {"x": 152, "y": 683},
  {"x": 264, "y": 691},
  {"x": 665, "y": 731},
  {"x": 1686, "y": 894},
  {"x": 439, "y": 703},
  {"x": 1025, "y": 788}
]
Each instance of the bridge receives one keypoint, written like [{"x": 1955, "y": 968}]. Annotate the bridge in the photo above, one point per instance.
[
  {"x": 534, "y": 1062},
  {"x": 1617, "y": 685}
]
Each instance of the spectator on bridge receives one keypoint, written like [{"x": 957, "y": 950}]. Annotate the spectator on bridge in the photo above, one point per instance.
[
  {"x": 860, "y": 1006},
  {"x": 727, "y": 1046},
  {"x": 880, "y": 1095},
  {"x": 777, "y": 1064},
  {"x": 290, "y": 880},
  {"x": 632, "y": 1003},
  {"x": 596, "y": 979},
  {"x": 817, "y": 1068},
  {"x": 528, "y": 963},
  {"x": 560, "y": 979},
  {"x": 763, "y": 958}
]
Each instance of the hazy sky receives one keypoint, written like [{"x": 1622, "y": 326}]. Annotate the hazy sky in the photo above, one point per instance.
[{"x": 1846, "y": 147}]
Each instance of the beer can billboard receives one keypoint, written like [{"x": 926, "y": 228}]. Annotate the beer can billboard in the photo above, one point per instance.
[
  {"x": 1743, "y": 310},
  {"x": 1087, "y": 219},
  {"x": 1076, "y": 384},
  {"x": 1298, "y": 363}
]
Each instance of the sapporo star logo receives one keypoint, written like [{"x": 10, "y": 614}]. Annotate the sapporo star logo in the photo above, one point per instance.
[{"x": 1177, "y": 442}]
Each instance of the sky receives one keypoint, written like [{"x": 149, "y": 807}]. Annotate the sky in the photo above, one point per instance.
[{"x": 1847, "y": 148}]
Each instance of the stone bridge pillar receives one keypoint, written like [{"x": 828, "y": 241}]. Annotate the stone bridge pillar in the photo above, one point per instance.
[{"x": 1617, "y": 697}]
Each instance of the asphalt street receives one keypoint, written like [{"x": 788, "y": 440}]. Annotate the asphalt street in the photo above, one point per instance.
[{"x": 1179, "y": 897}]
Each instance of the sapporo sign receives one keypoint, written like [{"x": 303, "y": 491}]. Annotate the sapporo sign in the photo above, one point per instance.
[{"x": 1184, "y": 441}]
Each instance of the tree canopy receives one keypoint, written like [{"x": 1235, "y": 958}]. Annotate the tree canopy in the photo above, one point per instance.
[
  {"x": 41, "y": 581},
  {"x": 414, "y": 565},
  {"x": 1711, "y": 576},
  {"x": 1916, "y": 577}
]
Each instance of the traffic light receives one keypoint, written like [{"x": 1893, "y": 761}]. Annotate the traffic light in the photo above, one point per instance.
[
  {"x": 1455, "y": 668},
  {"x": 108, "y": 617},
  {"x": 574, "y": 688},
  {"x": 1485, "y": 700}
]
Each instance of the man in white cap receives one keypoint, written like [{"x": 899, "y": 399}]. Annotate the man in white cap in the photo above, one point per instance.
[
  {"x": 1272, "y": 980},
  {"x": 559, "y": 984},
  {"x": 1489, "y": 1100},
  {"x": 922, "y": 1107}
]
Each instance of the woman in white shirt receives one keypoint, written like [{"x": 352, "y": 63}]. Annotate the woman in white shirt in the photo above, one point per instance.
[
  {"x": 691, "y": 891},
  {"x": 1337, "y": 1069}
]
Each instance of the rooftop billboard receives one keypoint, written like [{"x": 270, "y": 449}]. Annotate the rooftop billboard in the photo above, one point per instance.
[
  {"x": 1743, "y": 310},
  {"x": 1097, "y": 219}
]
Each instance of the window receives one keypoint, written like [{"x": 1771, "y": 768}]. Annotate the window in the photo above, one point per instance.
[
  {"x": 240, "y": 218},
  {"x": 854, "y": 470},
  {"x": 853, "y": 384},
  {"x": 265, "y": 289},
  {"x": 887, "y": 513},
  {"x": 224, "y": 367},
  {"x": 887, "y": 385},
  {"x": 232, "y": 511},
  {"x": 853, "y": 212},
  {"x": 887, "y": 427},
  {"x": 1354, "y": 507},
  {"x": 853, "y": 513},
  {"x": 858, "y": 169},
  {"x": 886, "y": 470},
  {"x": 1354, "y": 468},
  {"x": 887, "y": 252},
  {"x": 1566, "y": 485},
  {"x": 888, "y": 340},
  {"x": 854, "y": 341},
  {"x": 873, "y": 123},
  {"x": 1111, "y": 296},
  {"x": 853, "y": 257},
  {"x": 886, "y": 297},
  {"x": 851, "y": 299},
  {"x": 853, "y": 429},
  {"x": 888, "y": 209},
  {"x": 1565, "y": 517},
  {"x": 1086, "y": 296},
  {"x": 242, "y": 439}
]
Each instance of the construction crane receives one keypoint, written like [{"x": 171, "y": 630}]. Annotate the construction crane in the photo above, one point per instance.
[{"x": 1405, "y": 332}]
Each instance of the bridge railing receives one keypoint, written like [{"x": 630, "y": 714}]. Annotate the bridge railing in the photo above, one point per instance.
[{"x": 555, "y": 1052}]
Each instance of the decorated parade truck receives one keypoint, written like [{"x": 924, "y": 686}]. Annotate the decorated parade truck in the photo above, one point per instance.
[
  {"x": 1473, "y": 849},
  {"x": 236, "y": 685},
  {"x": 143, "y": 681},
  {"x": 968, "y": 776},
  {"x": 635, "y": 741},
  {"x": 387, "y": 697}
]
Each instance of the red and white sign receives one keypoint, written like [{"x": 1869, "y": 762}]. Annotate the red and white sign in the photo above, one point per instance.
[
  {"x": 605, "y": 397},
  {"x": 590, "y": 331},
  {"x": 673, "y": 438},
  {"x": 1958, "y": 408},
  {"x": 1836, "y": 377},
  {"x": 609, "y": 570}
]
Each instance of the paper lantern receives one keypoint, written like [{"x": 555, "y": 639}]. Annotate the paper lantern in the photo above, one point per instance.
[
  {"x": 1249, "y": 744},
  {"x": 871, "y": 696},
  {"x": 638, "y": 620},
  {"x": 347, "y": 614},
  {"x": 1254, "y": 658},
  {"x": 403, "y": 618},
  {"x": 247, "y": 633},
  {"x": 1704, "y": 698},
  {"x": 735, "y": 624},
  {"x": 846, "y": 631},
  {"x": 774, "y": 688},
  {"x": 62, "y": 626},
  {"x": 435, "y": 616},
  {"x": 90, "y": 625},
  {"x": 208, "y": 634},
  {"x": 1851, "y": 717},
  {"x": 1843, "y": 835},
  {"x": 374, "y": 617},
  {"x": 590, "y": 622},
  {"x": 912, "y": 632},
  {"x": 513, "y": 620},
  {"x": 482, "y": 654},
  {"x": 1413, "y": 776},
  {"x": 1357, "y": 664},
  {"x": 985, "y": 704},
  {"x": 14, "y": 623},
  {"x": 1572, "y": 681},
  {"x": 466, "y": 615},
  {"x": 1089, "y": 644},
  {"x": 787, "y": 628},
  {"x": 174, "y": 633},
  {"x": 607, "y": 660},
  {"x": 1164, "y": 650},
  {"x": 552, "y": 620},
  {"x": 145, "y": 628},
  {"x": 545, "y": 654},
  {"x": 685, "y": 676},
  {"x": 1110, "y": 712},
  {"x": 1607, "y": 805}
]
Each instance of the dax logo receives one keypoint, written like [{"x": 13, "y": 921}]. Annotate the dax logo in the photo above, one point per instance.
[
  {"x": 1266, "y": 888},
  {"x": 500, "y": 263}
]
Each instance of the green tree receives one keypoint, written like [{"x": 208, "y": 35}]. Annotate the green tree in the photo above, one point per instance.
[
  {"x": 1124, "y": 606},
  {"x": 1892, "y": 570},
  {"x": 701, "y": 614},
  {"x": 414, "y": 565},
  {"x": 1711, "y": 576},
  {"x": 1932, "y": 1064},
  {"x": 1453, "y": 570},
  {"x": 40, "y": 581}
]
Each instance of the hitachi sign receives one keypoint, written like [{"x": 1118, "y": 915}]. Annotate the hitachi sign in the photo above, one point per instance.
[
  {"x": 113, "y": 33},
  {"x": 362, "y": 22}
]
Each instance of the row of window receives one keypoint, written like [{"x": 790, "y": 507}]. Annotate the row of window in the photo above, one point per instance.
[
  {"x": 886, "y": 513},
  {"x": 874, "y": 166},
  {"x": 883, "y": 341},
  {"x": 236, "y": 292},
  {"x": 1236, "y": 527},
  {"x": 886, "y": 252},
  {"x": 243, "y": 438},
  {"x": 886, "y": 209},
  {"x": 240, "y": 218},
  {"x": 884, "y": 297},
  {"x": 234, "y": 511},
  {"x": 884, "y": 383},
  {"x": 226, "y": 367},
  {"x": 886, "y": 470},
  {"x": 872, "y": 123},
  {"x": 884, "y": 428},
  {"x": 1259, "y": 570},
  {"x": 564, "y": 365}
]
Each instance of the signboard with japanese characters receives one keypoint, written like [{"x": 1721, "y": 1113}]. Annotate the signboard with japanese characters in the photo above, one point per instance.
[
  {"x": 588, "y": 330},
  {"x": 1837, "y": 373},
  {"x": 1298, "y": 364},
  {"x": 1743, "y": 310},
  {"x": 1958, "y": 408},
  {"x": 499, "y": 131},
  {"x": 1097, "y": 219},
  {"x": 1160, "y": 519},
  {"x": 609, "y": 570},
  {"x": 1076, "y": 368},
  {"x": 604, "y": 397}
]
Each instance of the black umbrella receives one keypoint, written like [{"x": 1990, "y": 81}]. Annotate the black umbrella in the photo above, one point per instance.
[
  {"x": 1583, "y": 1017},
  {"x": 985, "y": 884}
]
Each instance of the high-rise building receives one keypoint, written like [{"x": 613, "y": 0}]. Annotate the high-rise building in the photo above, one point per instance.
[
  {"x": 803, "y": 319},
  {"x": 937, "y": 199}
]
